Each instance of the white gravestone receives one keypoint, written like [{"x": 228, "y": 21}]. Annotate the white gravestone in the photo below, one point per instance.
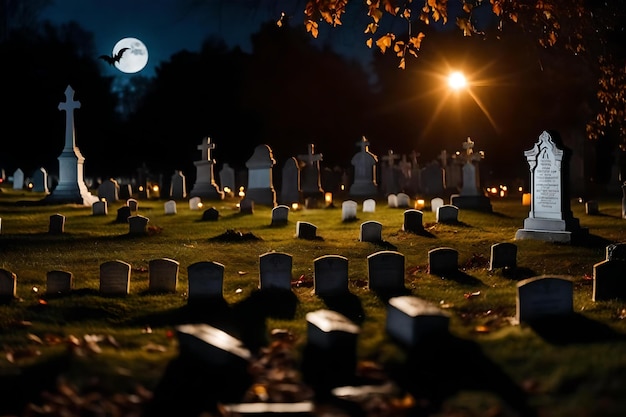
[
  {"x": 369, "y": 205},
  {"x": 260, "y": 181},
  {"x": 169, "y": 207},
  {"x": 364, "y": 163},
  {"x": 348, "y": 210},
  {"x": 205, "y": 185},
  {"x": 18, "y": 179}
]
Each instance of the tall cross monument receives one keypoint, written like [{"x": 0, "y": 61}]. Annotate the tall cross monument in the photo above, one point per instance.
[
  {"x": 205, "y": 185},
  {"x": 71, "y": 187}
]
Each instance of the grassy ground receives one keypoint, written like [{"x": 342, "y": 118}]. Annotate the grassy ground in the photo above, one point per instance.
[{"x": 573, "y": 368}]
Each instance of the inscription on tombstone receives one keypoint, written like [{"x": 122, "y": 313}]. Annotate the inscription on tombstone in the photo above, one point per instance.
[
  {"x": 163, "y": 275},
  {"x": 115, "y": 277}
]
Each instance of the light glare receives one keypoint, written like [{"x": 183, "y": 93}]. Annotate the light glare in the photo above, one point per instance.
[{"x": 457, "y": 80}]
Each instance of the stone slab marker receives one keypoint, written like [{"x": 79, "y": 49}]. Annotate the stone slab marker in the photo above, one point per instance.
[
  {"x": 163, "y": 275},
  {"x": 331, "y": 275},
  {"x": 8, "y": 285},
  {"x": 115, "y": 278},
  {"x": 260, "y": 180},
  {"x": 413, "y": 221},
  {"x": 57, "y": 224},
  {"x": 306, "y": 230},
  {"x": 503, "y": 255},
  {"x": 348, "y": 210},
  {"x": 443, "y": 261},
  {"x": 411, "y": 319},
  {"x": 364, "y": 163},
  {"x": 280, "y": 215},
  {"x": 371, "y": 231},
  {"x": 205, "y": 280},
  {"x": 385, "y": 271},
  {"x": 212, "y": 345},
  {"x": 59, "y": 282},
  {"x": 138, "y": 225},
  {"x": 275, "y": 270},
  {"x": 205, "y": 185},
  {"x": 310, "y": 181},
  {"x": 99, "y": 208},
  {"x": 609, "y": 276},
  {"x": 18, "y": 179},
  {"x": 544, "y": 296}
]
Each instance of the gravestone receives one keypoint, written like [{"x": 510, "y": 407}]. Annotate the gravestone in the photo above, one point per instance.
[
  {"x": 205, "y": 185},
  {"x": 550, "y": 218},
  {"x": 210, "y": 215},
  {"x": 137, "y": 225},
  {"x": 18, "y": 179},
  {"x": 411, "y": 319},
  {"x": 123, "y": 213},
  {"x": 413, "y": 221},
  {"x": 432, "y": 179},
  {"x": 330, "y": 275},
  {"x": 306, "y": 230},
  {"x": 609, "y": 276},
  {"x": 169, "y": 207},
  {"x": 591, "y": 208},
  {"x": 290, "y": 189},
  {"x": 126, "y": 191},
  {"x": 389, "y": 175},
  {"x": 195, "y": 203},
  {"x": 59, "y": 282},
  {"x": 371, "y": 231},
  {"x": 99, "y": 208},
  {"x": 310, "y": 182},
  {"x": 442, "y": 261},
  {"x": 392, "y": 201},
  {"x": 447, "y": 214},
  {"x": 280, "y": 215},
  {"x": 364, "y": 163},
  {"x": 327, "y": 328},
  {"x": 178, "y": 186},
  {"x": 369, "y": 205},
  {"x": 544, "y": 296},
  {"x": 227, "y": 178},
  {"x": 40, "y": 181},
  {"x": 71, "y": 187},
  {"x": 348, "y": 210},
  {"x": 471, "y": 197},
  {"x": 133, "y": 204},
  {"x": 8, "y": 287},
  {"x": 385, "y": 270},
  {"x": 115, "y": 278},
  {"x": 275, "y": 271},
  {"x": 403, "y": 200},
  {"x": 503, "y": 255},
  {"x": 435, "y": 203},
  {"x": 260, "y": 181},
  {"x": 205, "y": 280},
  {"x": 246, "y": 206},
  {"x": 163, "y": 275},
  {"x": 109, "y": 191},
  {"x": 212, "y": 346},
  {"x": 57, "y": 224}
]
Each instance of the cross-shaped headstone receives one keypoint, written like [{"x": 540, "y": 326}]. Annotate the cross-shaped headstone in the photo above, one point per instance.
[
  {"x": 390, "y": 158},
  {"x": 470, "y": 156},
  {"x": 206, "y": 147},
  {"x": 69, "y": 106},
  {"x": 364, "y": 144},
  {"x": 311, "y": 157},
  {"x": 468, "y": 145}
]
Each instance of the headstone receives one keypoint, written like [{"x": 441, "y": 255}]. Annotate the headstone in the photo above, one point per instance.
[
  {"x": 126, "y": 191},
  {"x": 133, "y": 204},
  {"x": 327, "y": 328},
  {"x": 59, "y": 282},
  {"x": 260, "y": 181},
  {"x": 138, "y": 225},
  {"x": 364, "y": 163},
  {"x": 8, "y": 281},
  {"x": 169, "y": 207},
  {"x": 18, "y": 179},
  {"x": 371, "y": 231},
  {"x": 178, "y": 186},
  {"x": 550, "y": 217},
  {"x": 609, "y": 276},
  {"x": 616, "y": 251},
  {"x": 40, "y": 181},
  {"x": 57, "y": 224},
  {"x": 442, "y": 261},
  {"x": 503, "y": 255},
  {"x": 403, "y": 200},
  {"x": 392, "y": 201},
  {"x": 205, "y": 185},
  {"x": 212, "y": 346},
  {"x": 280, "y": 215},
  {"x": 591, "y": 207},
  {"x": 71, "y": 187},
  {"x": 413, "y": 221},
  {"x": 115, "y": 277},
  {"x": 306, "y": 230},
  {"x": 310, "y": 183},
  {"x": 389, "y": 176},
  {"x": 411, "y": 319},
  {"x": 385, "y": 271},
  {"x": 433, "y": 179},
  {"x": 348, "y": 210},
  {"x": 205, "y": 280},
  {"x": 195, "y": 203},
  {"x": 163, "y": 275},
  {"x": 99, "y": 208},
  {"x": 123, "y": 213},
  {"x": 211, "y": 215},
  {"x": 331, "y": 275},
  {"x": 544, "y": 296},
  {"x": 435, "y": 203},
  {"x": 447, "y": 214},
  {"x": 275, "y": 271},
  {"x": 246, "y": 206},
  {"x": 471, "y": 197},
  {"x": 290, "y": 189},
  {"x": 369, "y": 205},
  {"x": 109, "y": 191}
]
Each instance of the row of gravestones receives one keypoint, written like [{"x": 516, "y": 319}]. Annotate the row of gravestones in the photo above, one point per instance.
[{"x": 386, "y": 273}]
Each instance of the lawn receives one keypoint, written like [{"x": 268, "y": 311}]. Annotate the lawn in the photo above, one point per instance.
[{"x": 574, "y": 368}]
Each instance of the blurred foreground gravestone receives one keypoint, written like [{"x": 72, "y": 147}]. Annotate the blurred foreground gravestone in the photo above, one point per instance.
[{"x": 544, "y": 296}]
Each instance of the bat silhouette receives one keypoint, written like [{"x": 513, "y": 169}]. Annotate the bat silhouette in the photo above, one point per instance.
[{"x": 113, "y": 59}]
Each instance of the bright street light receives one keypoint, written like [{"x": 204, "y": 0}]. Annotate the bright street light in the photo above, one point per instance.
[{"x": 456, "y": 80}]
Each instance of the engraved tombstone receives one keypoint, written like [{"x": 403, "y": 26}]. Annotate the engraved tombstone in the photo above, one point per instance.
[
  {"x": 371, "y": 231},
  {"x": 59, "y": 282},
  {"x": 115, "y": 277},
  {"x": 442, "y": 261},
  {"x": 275, "y": 271},
  {"x": 163, "y": 275},
  {"x": 331, "y": 275},
  {"x": 544, "y": 296},
  {"x": 385, "y": 271},
  {"x": 260, "y": 181},
  {"x": 205, "y": 280}
]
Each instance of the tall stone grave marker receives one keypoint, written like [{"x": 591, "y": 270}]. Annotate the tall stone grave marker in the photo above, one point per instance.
[
  {"x": 470, "y": 196},
  {"x": 544, "y": 296},
  {"x": 275, "y": 271},
  {"x": 227, "y": 178},
  {"x": 290, "y": 189},
  {"x": 550, "y": 217},
  {"x": 205, "y": 185},
  {"x": 433, "y": 179},
  {"x": 364, "y": 163},
  {"x": 178, "y": 186},
  {"x": 18, "y": 179},
  {"x": 205, "y": 280},
  {"x": 40, "y": 181},
  {"x": 310, "y": 174},
  {"x": 109, "y": 191},
  {"x": 260, "y": 181},
  {"x": 71, "y": 187}
]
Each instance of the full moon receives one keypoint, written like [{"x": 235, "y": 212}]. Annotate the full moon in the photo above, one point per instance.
[{"x": 134, "y": 59}]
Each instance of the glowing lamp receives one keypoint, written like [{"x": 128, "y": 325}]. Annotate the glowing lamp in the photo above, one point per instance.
[
  {"x": 242, "y": 193},
  {"x": 526, "y": 199},
  {"x": 155, "y": 188},
  {"x": 199, "y": 205},
  {"x": 520, "y": 189},
  {"x": 140, "y": 188},
  {"x": 343, "y": 187},
  {"x": 227, "y": 190},
  {"x": 30, "y": 185},
  {"x": 295, "y": 206},
  {"x": 328, "y": 198},
  {"x": 419, "y": 204}
]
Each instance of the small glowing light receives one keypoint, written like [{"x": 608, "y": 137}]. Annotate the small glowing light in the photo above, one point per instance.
[
  {"x": 141, "y": 188},
  {"x": 30, "y": 185},
  {"x": 295, "y": 206},
  {"x": 419, "y": 203},
  {"x": 35, "y": 289},
  {"x": 520, "y": 189},
  {"x": 493, "y": 190},
  {"x": 328, "y": 198},
  {"x": 241, "y": 192},
  {"x": 155, "y": 188},
  {"x": 457, "y": 80},
  {"x": 199, "y": 205},
  {"x": 526, "y": 197},
  {"x": 504, "y": 188},
  {"x": 104, "y": 200},
  {"x": 227, "y": 189},
  {"x": 502, "y": 193},
  {"x": 343, "y": 187},
  {"x": 237, "y": 205}
]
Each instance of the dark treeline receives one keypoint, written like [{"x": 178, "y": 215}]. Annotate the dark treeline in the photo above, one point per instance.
[{"x": 287, "y": 92}]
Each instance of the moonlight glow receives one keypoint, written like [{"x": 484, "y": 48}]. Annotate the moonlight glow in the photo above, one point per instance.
[
  {"x": 457, "y": 80},
  {"x": 134, "y": 59}
]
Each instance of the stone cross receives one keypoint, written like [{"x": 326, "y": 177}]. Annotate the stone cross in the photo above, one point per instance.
[
  {"x": 364, "y": 144},
  {"x": 390, "y": 158},
  {"x": 470, "y": 156},
  {"x": 206, "y": 147},
  {"x": 69, "y": 106},
  {"x": 311, "y": 157}
]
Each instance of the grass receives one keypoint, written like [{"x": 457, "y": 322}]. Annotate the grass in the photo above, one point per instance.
[{"x": 577, "y": 371}]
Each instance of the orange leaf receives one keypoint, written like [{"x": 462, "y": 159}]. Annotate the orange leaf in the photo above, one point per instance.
[
  {"x": 369, "y": 43},
  {"x": 402, "y": 64}
]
